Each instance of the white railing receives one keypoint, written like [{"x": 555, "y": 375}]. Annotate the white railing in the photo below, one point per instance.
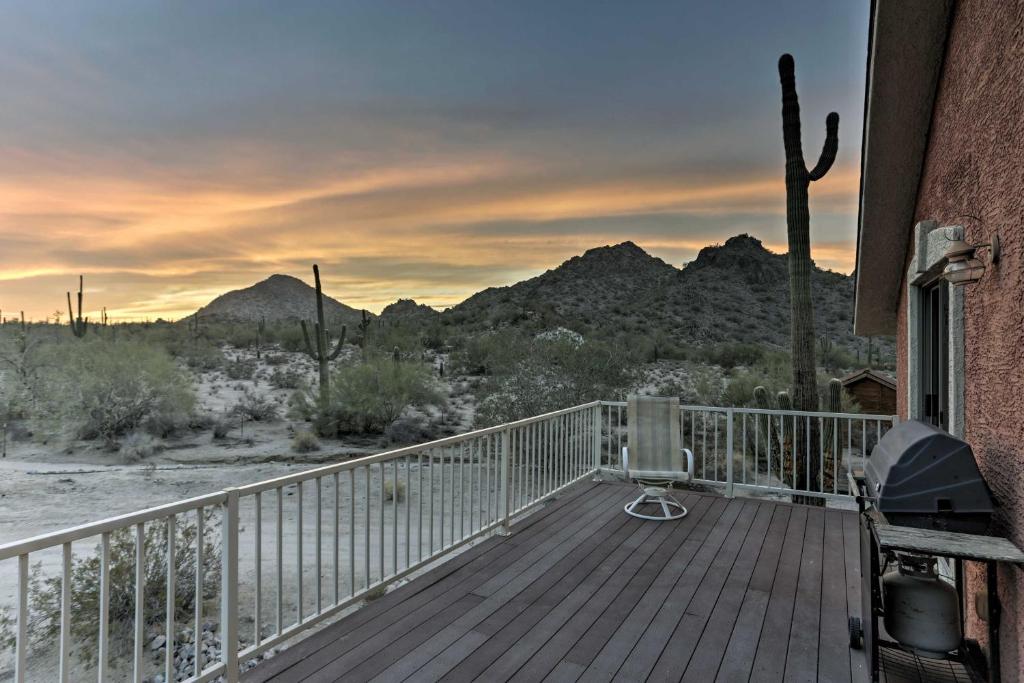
[
  {"x": 787, "y": 452},
  {"x": 272, "y": 559},
  {"x": 295, "y": 550}
]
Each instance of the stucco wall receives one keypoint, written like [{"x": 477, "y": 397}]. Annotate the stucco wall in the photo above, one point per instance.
[{"x": 975, "y": 167}]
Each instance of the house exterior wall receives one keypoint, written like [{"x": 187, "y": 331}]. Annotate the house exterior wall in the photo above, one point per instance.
[{"x": 973, "y": 175}]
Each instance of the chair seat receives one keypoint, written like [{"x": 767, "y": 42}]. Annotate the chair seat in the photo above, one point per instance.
[{"x": 655, "y": 491}]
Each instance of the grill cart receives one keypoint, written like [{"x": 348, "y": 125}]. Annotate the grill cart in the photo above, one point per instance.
[{"x": 922, "y": 499}]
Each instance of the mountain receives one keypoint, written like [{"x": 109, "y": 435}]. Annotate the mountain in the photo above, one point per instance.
[
  {"x": 599, "y": 285},
  {"x": 279, "y": 297},
  {"x": 737, "y": 291},
  {"x": 408, "y": 311}
]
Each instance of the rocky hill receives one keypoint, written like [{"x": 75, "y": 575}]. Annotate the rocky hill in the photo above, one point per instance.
[
  {"x": 737, "y": 291},
  {"x": 279, "y": 297},
  {"x": 733, "y": 292}
]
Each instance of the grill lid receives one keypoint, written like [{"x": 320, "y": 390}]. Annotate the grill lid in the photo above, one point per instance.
[{"x": 921, "y": 476}]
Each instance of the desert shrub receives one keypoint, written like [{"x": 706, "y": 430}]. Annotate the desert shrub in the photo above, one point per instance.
[
  {"x": 554, "y": 374},
  {"x": 305, "y": 441},
  {"x": 390, "y": 488},
  {"x": 733, "y": 355},
  {"x": 274, "y": 359},
  {"x": 408, "y": 430},
  {"x": 45, "y": 592},
  {"x": 240, "y": 368},
  {"x": 489, "y": 354},
  {"x": 221, "y": 428},
  {"x": 286, "y": 378},
  {"x": 200, "y": 356},
  {"x": 107, "y": 390},
  {"x": 256, "y": 407},
  {"x": 367, "y": 397},
  {"x": 137, "y": 447}
]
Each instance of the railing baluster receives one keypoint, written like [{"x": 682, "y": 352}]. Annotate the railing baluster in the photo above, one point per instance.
[
  {"x": 380, "y": 521},
  {"x": 352, "y": 532},
  {"x": 258, "y": 562},
  {"x": 462, "y": 490},
  {"x": 200, "y": 593},
  {"x": 419, "y": 504},
  {"x": 451, "y": 488},
  {"x": 442, "y": 499},
  {"x": 318, "y": 530},
  {"x": 408, "y": 508},
  {"x": 336, "y": 538},
  {"x": 298, "y": 552},
  {"x": 171, "y": 601},
  {"x": 394, "y": 516},
  {"x": 22, "y": 640},
  {"x": 366, "y": 531},
  {"x": 279, "y": 548},
  {"x": 140, "y": 600},
  {"x": 430, "y": 551},
  {"x": 229, "y": 587},
  {"x": 103, "y": 654},
  {"x": 65, "y": 613}
]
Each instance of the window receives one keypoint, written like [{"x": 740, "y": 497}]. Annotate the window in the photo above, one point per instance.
[{"x": 934, "y": 376}]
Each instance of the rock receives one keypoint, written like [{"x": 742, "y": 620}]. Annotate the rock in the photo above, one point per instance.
[{"x": 157, "y": 643}]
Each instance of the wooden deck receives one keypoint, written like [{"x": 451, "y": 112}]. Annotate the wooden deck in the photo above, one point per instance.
[{"x": 738, "y": 590}]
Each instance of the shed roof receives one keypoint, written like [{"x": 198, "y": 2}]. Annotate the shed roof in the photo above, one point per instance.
[{"x": 869, "y": 374}]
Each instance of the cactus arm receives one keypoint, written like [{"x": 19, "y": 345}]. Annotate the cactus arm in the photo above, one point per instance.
[
  {"x": 71, "y": 314},
  {"x": 341, "y": 343},
  {"x": 305, "y": 336},
  {"x": 829, "y": 149}
]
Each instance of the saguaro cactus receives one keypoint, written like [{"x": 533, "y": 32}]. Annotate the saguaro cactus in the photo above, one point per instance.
[
  {"x": 321, "y": 353},
  {"x": 364, "y": 328},
  {"x": 798, "y": 223},
  {"x": 78, "y": 323},
  {"x": 261, "y": 327}
]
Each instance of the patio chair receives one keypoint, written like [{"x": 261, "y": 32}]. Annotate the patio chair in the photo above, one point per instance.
[{"x": 654, "y": 456}]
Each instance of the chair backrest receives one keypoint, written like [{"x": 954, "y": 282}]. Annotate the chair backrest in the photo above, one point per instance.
[{"x": 654, "y": 438}]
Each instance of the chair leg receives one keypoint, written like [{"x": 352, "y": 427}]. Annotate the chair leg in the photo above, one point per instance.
[{"x": 666, "y": 503}]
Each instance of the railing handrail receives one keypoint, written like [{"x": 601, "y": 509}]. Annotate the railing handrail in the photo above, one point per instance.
[
  {"x": 82, "y": 531},
  {"x": 770, "y": 411},
  {"x": 305, "y": 475}
]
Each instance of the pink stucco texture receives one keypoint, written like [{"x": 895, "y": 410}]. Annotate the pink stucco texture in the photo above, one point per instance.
[{"x": 973, "y": 176}]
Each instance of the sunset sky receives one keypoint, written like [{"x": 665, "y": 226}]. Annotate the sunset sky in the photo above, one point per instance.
[{"x": 171, "y": 151}]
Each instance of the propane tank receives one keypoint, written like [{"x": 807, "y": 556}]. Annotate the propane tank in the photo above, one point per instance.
[{"x": 922, "y": 611}]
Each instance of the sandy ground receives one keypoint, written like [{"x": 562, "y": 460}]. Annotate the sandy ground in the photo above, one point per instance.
[{"x": 46, "y": 486}]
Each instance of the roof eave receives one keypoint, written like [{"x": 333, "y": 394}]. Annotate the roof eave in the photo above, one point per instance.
[{"x": 906, "y": 49}]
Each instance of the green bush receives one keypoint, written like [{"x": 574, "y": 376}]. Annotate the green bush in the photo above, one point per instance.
[
  {"x": 286, "y": 378},
  {"x": 368, "y": 397},
  {"x": 554, "y": 374},
  {"x": 107, "y": 390},
  {"x": 305, "y": 441},
  {"x": 45, "y": 592},
  {"x": 256, "y": 407},
  {"x": 240, "y": 368},
  {"x": 200, "y": 356}
]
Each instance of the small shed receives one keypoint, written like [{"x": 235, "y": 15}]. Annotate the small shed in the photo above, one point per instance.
[{"x": 874, "y": 391}]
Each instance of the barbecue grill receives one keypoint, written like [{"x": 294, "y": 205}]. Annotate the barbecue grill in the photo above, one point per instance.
[
  {"x": 920, "y": 476},
  {"x": 921, "y": 496}
]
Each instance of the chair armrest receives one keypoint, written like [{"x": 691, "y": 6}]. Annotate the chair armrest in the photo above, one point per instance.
[{"x": 689, "y": 462}]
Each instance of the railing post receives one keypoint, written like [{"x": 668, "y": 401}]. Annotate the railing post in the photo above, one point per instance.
[
  {"x": 505, "y": 482},
  {"x": 229, "y": 586},
  {"x": 596, "y": 445},
  {"x": 728, "y": 452}
]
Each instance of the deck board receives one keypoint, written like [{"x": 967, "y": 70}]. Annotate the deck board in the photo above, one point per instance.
[{"x": 739, "y": 589}]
